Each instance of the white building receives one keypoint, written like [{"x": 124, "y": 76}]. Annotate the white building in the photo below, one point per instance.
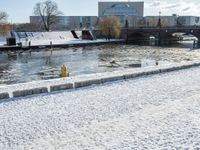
[
  {"x": 120, "y": 9},
  {"x": 130, "y": 11},
  {"x": 188, "y": 21},
  {"x": 165, "y": 20},
  {"x": 68, "y": 22},
  {"x": 173, "y": 20}
]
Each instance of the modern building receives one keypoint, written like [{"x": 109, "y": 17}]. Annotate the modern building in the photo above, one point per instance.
[
  {"x": 130, "y": 11},
  {"x": 188, "y": 21},
  {"x": 173, "y": 20},
  {"x": 165, "y": 20},
  {"x": 126, "y": 11},
  {"x": 68, "y": 22},
  {"x": 81, "y": 22},
  {"x": 120, "y": 9}
]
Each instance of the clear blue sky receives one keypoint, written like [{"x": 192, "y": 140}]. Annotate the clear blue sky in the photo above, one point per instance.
[{"x": 20, "y": 10}]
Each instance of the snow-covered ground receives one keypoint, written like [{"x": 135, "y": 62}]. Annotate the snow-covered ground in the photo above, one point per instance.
[
  {"x": 56, "y": 37},
  {"x": 45, "y": 38},
  {"x": 154, "y": 112}
]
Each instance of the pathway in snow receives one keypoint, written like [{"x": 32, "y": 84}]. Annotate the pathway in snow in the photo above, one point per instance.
[{"x": 155, "y": 112}]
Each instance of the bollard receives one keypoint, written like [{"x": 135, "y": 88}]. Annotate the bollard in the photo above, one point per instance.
[
  {"x": 4, "y": 95},
  {"x": 51, "y": 47},
  {"x": 198, "y": 43},
  {"x": 51, "y": 44},
  {"x": 64, "y": 71},
  {"x": 29, "y": 44}
]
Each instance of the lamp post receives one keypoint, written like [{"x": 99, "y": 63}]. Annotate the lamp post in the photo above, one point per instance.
[
  {"x": 159, "y": 20},
  {"x": 109, "y": 32},
  {"x": 126, "y": 27},
  {"x": 159, "y": 25}
]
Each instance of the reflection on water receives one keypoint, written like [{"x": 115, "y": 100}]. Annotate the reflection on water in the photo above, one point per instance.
[{"x": 44, "y": 64}]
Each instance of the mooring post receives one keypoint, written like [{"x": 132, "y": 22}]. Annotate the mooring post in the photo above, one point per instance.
[
  {"x": 159, "y": 40},
  {"x": 51, "y": 47},
  {"x": 29, "y": 44},
  {"x": 198, "y": 43},
  {"x": 51, "y": 44},
  {"x": 194, "y": 43}
]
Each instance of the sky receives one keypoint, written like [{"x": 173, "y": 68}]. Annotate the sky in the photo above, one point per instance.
[{"x": 20, "y": 10}]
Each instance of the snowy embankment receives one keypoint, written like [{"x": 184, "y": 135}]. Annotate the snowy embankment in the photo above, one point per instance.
[
  {"x": 44, "y": 38},
  {"x": 37, "y": 87},
  {"x": 154, "y": 112},
  {"x": 56, "y": 38}
]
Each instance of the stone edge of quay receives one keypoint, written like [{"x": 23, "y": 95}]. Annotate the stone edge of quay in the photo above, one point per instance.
[{"x": 97, "y": 80}]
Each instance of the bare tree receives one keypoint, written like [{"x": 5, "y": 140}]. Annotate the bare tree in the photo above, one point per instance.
[
  {"x": 3, "y": 17},
  {"x": 5, "y": 29},
  {"x": 48, "y": 11},
  {"x": 110, "y": 27}
]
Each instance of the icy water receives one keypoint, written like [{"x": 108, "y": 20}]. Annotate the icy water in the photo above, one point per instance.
[{"x": 45, "y": 64}]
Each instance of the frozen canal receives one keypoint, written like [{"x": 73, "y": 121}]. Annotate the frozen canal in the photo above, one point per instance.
[{"x": 155, "y": 112}]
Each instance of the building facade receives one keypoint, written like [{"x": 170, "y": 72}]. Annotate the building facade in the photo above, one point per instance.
[
  {"x": 120, "y": 9},
  {"x": 67, "y": 22},
  {"x": 152, "y": 21},
  {"x": 129, "y": 12},
  {"x": 188, "y": 21},
  {"x": 126, "y": 11},
  {"x": 173, "y": 20}
]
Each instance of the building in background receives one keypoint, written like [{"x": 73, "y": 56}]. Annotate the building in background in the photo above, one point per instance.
[
  {"x": 126, "y": 11},
  {"x": 132, "y": 12},
  {"x": 152, "y": 21},
  {"x": 82, "y": 22},
  {"x": 67, "y": 22},
  {"x": 173, "y": 20},
  {"x": 129, "y": 12},
  {"x": 120, "y": 9},
  {"x": 188, "y": 21}
]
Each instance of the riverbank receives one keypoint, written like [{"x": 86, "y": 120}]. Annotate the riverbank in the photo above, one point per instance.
[
  {"x": 43, "y": 44},
  {"x": 152, "y": 112},
  {"x": 70, "y": 83}
]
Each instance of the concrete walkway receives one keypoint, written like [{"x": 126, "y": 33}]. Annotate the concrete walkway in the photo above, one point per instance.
[{"x": 155, "y": 112}]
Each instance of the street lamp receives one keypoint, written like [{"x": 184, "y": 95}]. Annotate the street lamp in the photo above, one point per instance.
[
  {"x": 159, "y": 20},
  {"x": 126, "y": 27},
  {"x": 159, "y": 25}
]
